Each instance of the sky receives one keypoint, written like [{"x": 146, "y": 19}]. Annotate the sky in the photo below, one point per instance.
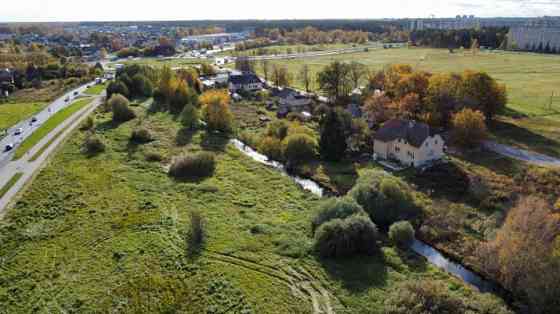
[{"x": 132, "y": 10}]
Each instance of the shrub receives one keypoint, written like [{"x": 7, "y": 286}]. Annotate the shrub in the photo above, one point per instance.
[
  {"x": 93, "y": 145},
  {"x": 153, "y": 156},
  {"x": 141, "y": 135},
  {"x": 385, "y": 198},
  {"x": 196, "y": 234},
  {"x": 277, "y": 129},
  {"x": 117, "y": 87},
  {"x": 401, "y": 233},
  {"x": 336, "y": 208},
  {"x": 190, "y": 117},
  {"x": 271, "y": 147},
  {"x": 418, "y": 297},
  {"x": 193, "y": 166},
  {"x": 216, "y": 110},
  {"x": 298, "y": 148},
  {"x": 88, "y": 124},
  {"x": 343, "y": 238},
  {"x": 121, "y": 110},
  {"x": 141, "y": 86}
]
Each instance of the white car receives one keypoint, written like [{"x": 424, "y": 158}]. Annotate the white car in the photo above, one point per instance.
[{"x": 18, "y": 131}]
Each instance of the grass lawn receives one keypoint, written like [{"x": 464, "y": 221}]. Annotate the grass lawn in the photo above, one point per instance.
[
  {"x": 48, "y": 126},
  {"x": 284, "y": 49},
  {"x": 108, "y": 233},
  {"x": 9, "y": 184},
  {"x": 13, "y": 112},
  {"x": 96, "y": 89}
]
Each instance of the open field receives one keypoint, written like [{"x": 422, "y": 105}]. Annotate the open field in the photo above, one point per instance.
[
  {"x": 48, "y": 126},
  {"x": 13, "y": 112},
  {"x": 109, "y": 234}
]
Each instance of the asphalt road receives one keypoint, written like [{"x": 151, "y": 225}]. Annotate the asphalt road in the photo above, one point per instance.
[
  {"x": 27, "y": 167},
  {"x": 28, "y": 127}
]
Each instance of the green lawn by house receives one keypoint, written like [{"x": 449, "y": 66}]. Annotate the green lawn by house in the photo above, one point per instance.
[
  {"x": 96, "y": 89},
  {"x": 48, "y": 126}
]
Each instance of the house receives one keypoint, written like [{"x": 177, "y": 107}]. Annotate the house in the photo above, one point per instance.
[
  {"x": 6, "y": 76},
  {"x": 290, "y": 100},
  {"x": 245, "y": 81},
  {"x": 408, "y": 142}
]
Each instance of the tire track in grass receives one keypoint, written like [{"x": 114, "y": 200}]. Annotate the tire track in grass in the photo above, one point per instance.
[{"x": 302, "y": 284}]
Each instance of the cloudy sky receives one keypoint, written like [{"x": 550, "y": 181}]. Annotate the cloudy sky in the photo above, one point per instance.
[{"x": 107, "y": 10}]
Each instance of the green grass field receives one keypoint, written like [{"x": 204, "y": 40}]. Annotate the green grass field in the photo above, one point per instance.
[
  {"x": 12, "y": 113},
  {"x": 48, "y": 126},
  {"x": 96, "y": 89},
  {"x": 157, "y": 62},
  {"x": 282, "y": 49},
  {"x": 107, "y": 233},
  {"x": 13, "y": 180}
]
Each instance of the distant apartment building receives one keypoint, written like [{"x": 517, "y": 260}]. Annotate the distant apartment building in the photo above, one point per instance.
[
  {"x": 541, "y": 35},
  {"x": 214, "y": 39},
  {"x": 464, "y": 22}
]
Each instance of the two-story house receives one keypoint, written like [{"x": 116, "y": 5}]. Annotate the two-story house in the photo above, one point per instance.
[
  {"x": 245, "y": 81},
  {"x": 408, "y": 142}
]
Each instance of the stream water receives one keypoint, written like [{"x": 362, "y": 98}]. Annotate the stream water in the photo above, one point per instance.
[{"x": 421, "y": 248}]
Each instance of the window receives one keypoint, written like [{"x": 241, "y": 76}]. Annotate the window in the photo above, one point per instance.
[{"x": 436, "y": 142}]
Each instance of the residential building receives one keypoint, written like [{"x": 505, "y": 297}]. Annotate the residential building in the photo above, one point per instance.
[
  {"x": 408, "y": 142},
  {"x": 245, "y": 81}
]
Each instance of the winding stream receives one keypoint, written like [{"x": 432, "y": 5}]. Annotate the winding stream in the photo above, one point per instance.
[{"x": 421, "y": 248}]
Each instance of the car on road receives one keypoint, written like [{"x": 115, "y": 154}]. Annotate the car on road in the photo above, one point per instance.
[
  {"x": 34, "y": 119},
  {"x": 76, "y": 93},
  {"x": 8, "y": 147},
  {"x": 18, "y": 131},
  {"x": 67, "y": 99}
]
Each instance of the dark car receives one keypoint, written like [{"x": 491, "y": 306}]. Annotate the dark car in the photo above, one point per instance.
[
  {"x": 8, "y": 147},
  {"x": 76, "y": 93},
  {"x": 34, "y": 119}
]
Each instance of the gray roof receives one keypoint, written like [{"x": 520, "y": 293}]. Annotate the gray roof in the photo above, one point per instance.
[
  {"x": 412, "y": 132},
  {"x": 244, "y": 79}
]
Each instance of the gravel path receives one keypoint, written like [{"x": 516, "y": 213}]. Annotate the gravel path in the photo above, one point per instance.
[{"x": 521, "y": 154}]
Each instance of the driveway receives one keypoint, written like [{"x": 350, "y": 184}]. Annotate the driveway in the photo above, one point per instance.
[
  {"x": 27, "y": 167},
  {"x": 521, "y": 154}
]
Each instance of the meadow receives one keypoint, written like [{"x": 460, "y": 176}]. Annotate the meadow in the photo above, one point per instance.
[{"x": 107, "y": 233}]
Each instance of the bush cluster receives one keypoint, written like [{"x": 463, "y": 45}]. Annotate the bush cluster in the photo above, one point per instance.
[
  {"x": 197, "y": 165},
  {"x": 385, "y": 198},
  {"x": 141, "y": 135},
  {"x": 120, "y": 107},
  {"x": 93, "y": 145},
  {"x": 401, "y": 233},
  {"x": 346, "y": 237},
  {"x": 342, "y": 228}
]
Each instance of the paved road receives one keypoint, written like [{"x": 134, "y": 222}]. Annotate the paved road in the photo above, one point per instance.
[
  {"x": 28, "y": 168},
  {"x": 28, "y": 128},
  {"x": 521, "y": 154}
]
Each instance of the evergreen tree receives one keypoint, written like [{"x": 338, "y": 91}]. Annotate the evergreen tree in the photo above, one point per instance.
[{"x": 332, "y": 143}]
